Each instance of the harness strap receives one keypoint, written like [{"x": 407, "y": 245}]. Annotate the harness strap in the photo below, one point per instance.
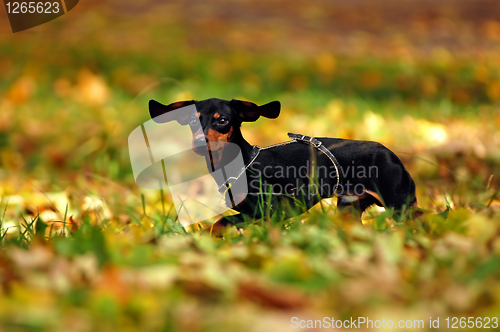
[
  {"x": 318, "y": 145},
  {"x": 232, "y": 179},
  {"x": 295, "y": 138}
]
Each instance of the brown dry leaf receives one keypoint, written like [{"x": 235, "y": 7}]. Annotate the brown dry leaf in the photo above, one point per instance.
[
  {"x": 111, "y": 282},
  {"x": 11, "y": 159},
  {"x": 96, "y": 208},
  {"x": 21, "y": 90},
  {"x": 82, "y": 271},
  {"x": 91, "y": 89},
  {"x": 460, "y": 298},
  {"x": 326, "y": 64},
  {"x": 275, "y": 297},
  {"x": 460, "y": 242},
  {"x": 372, "y": 79},
  {"x": 62, "y": 87},
  {"x": 8, "y": 273},
  {"x": 72, "y": 224},
  {"x": 37, "y": 257},
  {"x": 199, "y": 288}
]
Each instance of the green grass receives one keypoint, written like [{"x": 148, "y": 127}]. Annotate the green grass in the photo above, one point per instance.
[{"x": 110, "y": 277}]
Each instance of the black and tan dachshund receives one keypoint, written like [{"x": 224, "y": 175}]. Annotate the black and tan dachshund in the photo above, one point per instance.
[{"x": 296, "y": 173}]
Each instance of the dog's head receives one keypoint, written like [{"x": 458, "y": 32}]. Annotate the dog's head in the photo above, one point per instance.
[{"x": 215, "y": 122}]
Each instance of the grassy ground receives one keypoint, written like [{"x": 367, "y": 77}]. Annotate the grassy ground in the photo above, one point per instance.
[{"x": 83, "y": 248}]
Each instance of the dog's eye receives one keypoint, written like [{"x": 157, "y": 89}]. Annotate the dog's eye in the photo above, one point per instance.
[
  {"x": 193, "y": 122},
  {"x": 222, "y": 120}
]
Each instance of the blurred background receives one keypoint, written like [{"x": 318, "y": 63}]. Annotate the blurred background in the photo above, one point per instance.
[
  {"x": 419, "y": 76},
  {"x": 422, "y": 77}
]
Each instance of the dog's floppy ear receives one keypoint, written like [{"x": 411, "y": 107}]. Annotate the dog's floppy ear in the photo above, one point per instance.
[
  {"x": 156, "y": 109},
  {"x": 250, "y": 112}
]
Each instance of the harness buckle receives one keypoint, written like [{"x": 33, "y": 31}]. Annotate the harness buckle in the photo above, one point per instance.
[{"x": 316, "y": 143}]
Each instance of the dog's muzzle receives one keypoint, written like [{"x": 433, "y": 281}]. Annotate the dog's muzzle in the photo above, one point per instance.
[
  {"x": 200, "y": 142},
  {"x": 200, "y": 145}
]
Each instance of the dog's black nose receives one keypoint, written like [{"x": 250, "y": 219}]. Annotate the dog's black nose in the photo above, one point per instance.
[{"x": 200, "y": 142}]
